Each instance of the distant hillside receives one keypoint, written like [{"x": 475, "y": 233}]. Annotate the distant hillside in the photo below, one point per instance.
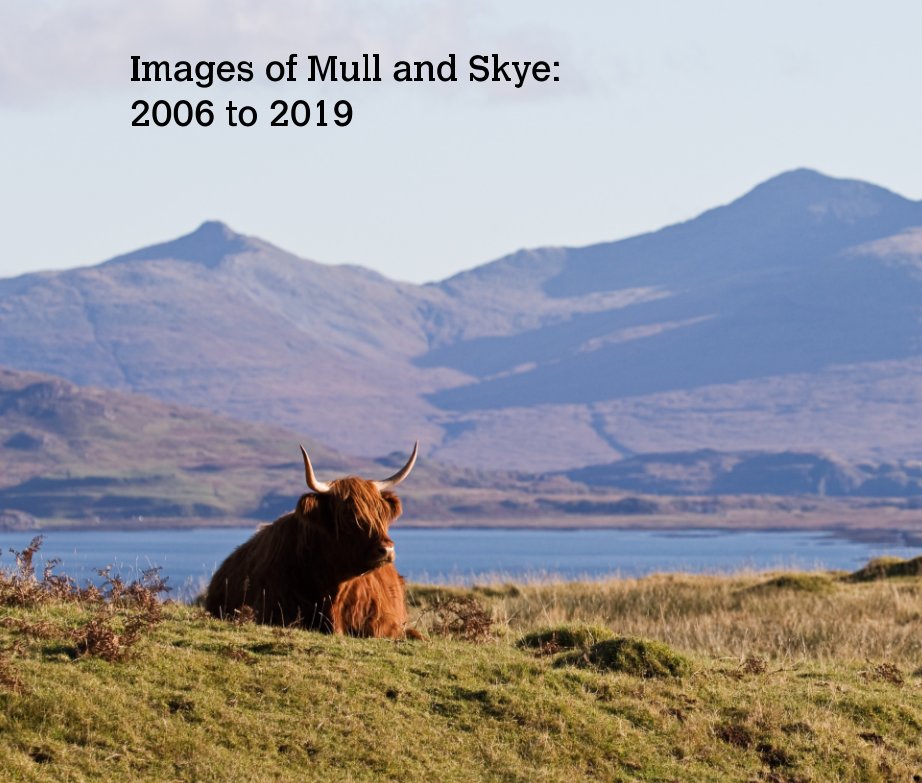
[
  {"x": 69, "y": 453},
  {"x": 709, "y": 472},
  {"x": 90, "y": 456},
  {"x": 788, "y": 320}
]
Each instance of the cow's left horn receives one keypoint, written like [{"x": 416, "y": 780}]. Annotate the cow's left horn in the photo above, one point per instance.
[
  {"x": 401, "y": 474},
  {"x": 318, "y": 486}
]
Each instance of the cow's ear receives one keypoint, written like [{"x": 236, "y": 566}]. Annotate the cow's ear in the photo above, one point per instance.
[{"x": 393, "y": 503}]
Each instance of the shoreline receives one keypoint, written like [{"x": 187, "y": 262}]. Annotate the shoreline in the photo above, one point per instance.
[{"x": 908, "y": 534}]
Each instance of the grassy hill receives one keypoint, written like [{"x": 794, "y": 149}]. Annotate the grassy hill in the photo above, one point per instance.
[
  {"x": 71, "y": 453},
  {"x": 794, "y": 677}
]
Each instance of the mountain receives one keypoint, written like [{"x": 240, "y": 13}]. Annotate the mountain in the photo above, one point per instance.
[
  {"x": 787, "y": 320},
  {"x": 233, "y": 324},
  {"x": 787, "y": 279}
]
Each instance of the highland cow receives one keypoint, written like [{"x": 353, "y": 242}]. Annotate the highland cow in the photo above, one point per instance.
[{"x": 328, "y": 565}]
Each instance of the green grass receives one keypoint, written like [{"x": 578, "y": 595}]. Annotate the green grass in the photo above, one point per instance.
[
  {"x": 640, "y": 657},
  {"x": 887, "y": 568},
  {"x": 565, "y": 637},
  {"x": 197, "y": 699}
]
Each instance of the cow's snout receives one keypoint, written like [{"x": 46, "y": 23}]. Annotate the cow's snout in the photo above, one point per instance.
[{"x": 386, "y": 552}]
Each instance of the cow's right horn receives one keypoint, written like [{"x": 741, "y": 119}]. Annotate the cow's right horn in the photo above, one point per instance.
[
  {"x": 401, "y": 474},
  {"x": 318, "y": 486}
]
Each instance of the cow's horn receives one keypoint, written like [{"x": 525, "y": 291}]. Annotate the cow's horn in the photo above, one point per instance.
[
  {"x": 318, "y": 486},
  {"x": 401, "y": 474}
]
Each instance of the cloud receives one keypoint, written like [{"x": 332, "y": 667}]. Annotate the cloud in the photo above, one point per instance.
[
  {"x": 50, "y": 48},
  {"x": 55, "y": 48}
]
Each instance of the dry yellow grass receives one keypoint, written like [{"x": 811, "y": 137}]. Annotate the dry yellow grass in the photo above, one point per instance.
[{"x": 782, "y": 617}]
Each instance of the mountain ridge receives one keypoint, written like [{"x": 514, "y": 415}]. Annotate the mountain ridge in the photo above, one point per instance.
[
  {"x": 546, "y": 358},
  {"x": 773, "y": 190}
]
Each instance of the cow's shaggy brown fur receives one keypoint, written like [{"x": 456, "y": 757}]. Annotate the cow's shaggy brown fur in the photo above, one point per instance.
[{"x": 327, "y": 566}]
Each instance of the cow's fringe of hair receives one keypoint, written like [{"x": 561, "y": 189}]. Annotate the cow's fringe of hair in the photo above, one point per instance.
[{"x": 358, "y": 502}]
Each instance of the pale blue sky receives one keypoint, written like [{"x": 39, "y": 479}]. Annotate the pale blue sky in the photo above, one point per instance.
[{"x": 664, "y": 108}]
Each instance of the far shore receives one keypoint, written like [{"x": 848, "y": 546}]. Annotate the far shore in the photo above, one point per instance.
[{"x": 859, "y": 524}]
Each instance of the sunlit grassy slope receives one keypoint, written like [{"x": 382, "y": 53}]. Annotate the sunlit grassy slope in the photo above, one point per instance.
[{"x": 790, "y": 677}]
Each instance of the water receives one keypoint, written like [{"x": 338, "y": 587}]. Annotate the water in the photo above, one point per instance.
[{"x": 464, "y": 556}]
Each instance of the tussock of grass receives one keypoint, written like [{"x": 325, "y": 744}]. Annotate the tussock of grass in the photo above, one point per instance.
[
  {"x": 887, "y": 568},
  {"x": 807, "y": 583},
  {"x": 506, "y": 590},
  {"x": 637, "y": 657},
  {"x": 565, "y": 637}
]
